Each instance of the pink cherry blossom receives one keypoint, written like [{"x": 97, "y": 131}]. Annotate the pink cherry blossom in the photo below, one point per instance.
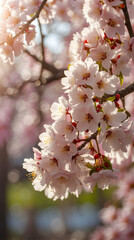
[{"x": 103, "y": 179}]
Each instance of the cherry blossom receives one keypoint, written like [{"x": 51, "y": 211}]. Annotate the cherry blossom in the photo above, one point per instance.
[
  {"x": 91, "y": 126},
  {"x": 103, "y": 179}
]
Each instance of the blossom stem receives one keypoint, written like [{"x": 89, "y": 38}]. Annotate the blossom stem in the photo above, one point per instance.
[
  {"x": 97, "y": 145},
  {"x": 127, "y": 19},
  {"x": 93, "y": 136}
]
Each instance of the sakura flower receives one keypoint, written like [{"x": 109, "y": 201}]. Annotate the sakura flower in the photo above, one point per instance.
[
  {"x": 30, "y": 34},
  {"x": 111, "y": 117},
  {"x": 37, "y": 154},
  {"x": 80, "y": 96},
  {"x": 84, "y": 71},
  {"x": 87, "y": 118},
  {"x": 80, "y": 164},
  {"x": 68, "y": 81},
  {"x": 61, "y": 183},
  {"x": 92, "y": 10},
  {"x": 66, "y": 128},
  {"x": 36, "y": 173},
  {"x": 47, "y": 138},
  {"x": 17, "y": 47},
  {"x": 103, "y": 54},
  {"x": 111, "y": 22},
  {"x": 103, "y": 179},
  {"x": 64, "y": 150},
  {"x": 76, "y": 48},
  {"x": 113, "y": 140},
  {"x": 49, "y": 163},
  {"x": 59, "y": 110},
  {"x": 120, "y": 64},
  {"x": 104, "y": 83},
  {"x": 91, "y": 36}
]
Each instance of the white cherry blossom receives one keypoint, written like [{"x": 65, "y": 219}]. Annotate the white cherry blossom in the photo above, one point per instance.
[
  {"x": 113, "y": 140},
  {"x": 92, "y": 10},
  {"x": 80, "y": 96},
  {"x": 87, "y": 118},
  {"x": 36, "y": 173},
  {"x": 84, "y": 71},
  {"x": 47, "y": 138},
  {"x": 111, "y": 116},
  {"x": 64, "y": 150},
  {"x": 61, "y": 183},
  {"x": 91, "y": 36},
  {"x": 66, "y": 128},
  {"x": 59, "y": 110},
  {"x": 104, "y": 83},
  {"x": 111, "y": 22},
  {"x": 103, "y": 54},
  {"x": 103, "y": 179}
]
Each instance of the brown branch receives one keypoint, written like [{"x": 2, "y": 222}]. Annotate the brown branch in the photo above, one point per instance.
[
  {"x": 127, "y": 19},
  {"x": 123, "y": 92},
  {"x": 42, "y": 51},
  {"x": 25, "y": 27},
  {"x": 45, "y": 65},
  {"x": 93, "y": 136},
  {"x": 57, "y": 76}
]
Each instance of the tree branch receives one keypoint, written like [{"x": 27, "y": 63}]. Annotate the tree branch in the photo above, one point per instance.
[
  {"x": 127, "y": 19},
  {"x": 93, "y": 136},
  {"x": 42, "y": 51},
  {"x": 46, "y": 65},
  {"x": 123, "y": 92}
]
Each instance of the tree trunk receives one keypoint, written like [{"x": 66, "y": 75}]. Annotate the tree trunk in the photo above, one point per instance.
[{"x": 3, "y": 185}]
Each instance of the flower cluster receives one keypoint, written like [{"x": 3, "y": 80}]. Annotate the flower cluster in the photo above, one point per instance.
[{"x": 87, "y": 128}]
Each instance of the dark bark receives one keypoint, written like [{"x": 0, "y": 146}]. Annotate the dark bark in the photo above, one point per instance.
[{"x": 3, "y": 188}]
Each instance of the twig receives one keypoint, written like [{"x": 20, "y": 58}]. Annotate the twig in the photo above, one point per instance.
[
  {"x": 57, "y": 76},
  {"x": 42, "y": 51},
  {"x": 46, "y": 65},
  {"x": 93, "y": 136},
  {"x": 123, "y": 92},
  {"x": 127, "y": 20}
]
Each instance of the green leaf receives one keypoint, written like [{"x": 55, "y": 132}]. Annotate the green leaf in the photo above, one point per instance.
[
  {"x": 93, "y": 170},
  {"x": 89, "y": 165},
  {"x": 108, "y": 162},
  {"x": 111, "y": 98},
  {"x": 121, "y": 78},
  {"x": 121, "y": 109}
]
